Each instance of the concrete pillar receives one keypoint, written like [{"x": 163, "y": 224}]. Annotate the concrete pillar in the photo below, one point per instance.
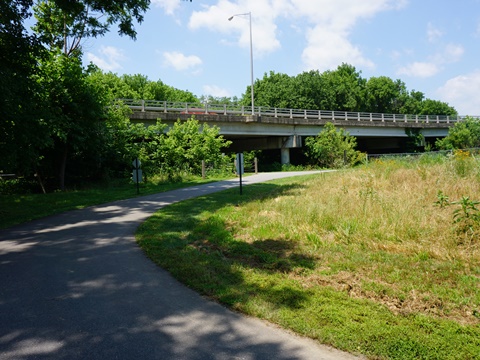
[{"x": 285, "y": 155}]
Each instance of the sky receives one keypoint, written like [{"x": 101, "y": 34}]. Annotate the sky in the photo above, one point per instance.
[{"x": 433, "y": 46}]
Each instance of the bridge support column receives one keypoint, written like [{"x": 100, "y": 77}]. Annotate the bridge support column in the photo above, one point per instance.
[{"x": 285, "y": 155}]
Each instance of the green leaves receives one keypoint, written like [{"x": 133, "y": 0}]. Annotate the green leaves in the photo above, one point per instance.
[
  {"x": 466, "y": 216},
  {"x": 332, "y": 148},
  {"x": 442, "y": 200},
  {"x": 179, "y": 150},
  {"x": 138, "y": 87},
  {"x": 463, "y": 135},
  {"x": 64, "y": 24},
  {"x": 187, "y": 144},
  {"x": 342, "y": 89}
]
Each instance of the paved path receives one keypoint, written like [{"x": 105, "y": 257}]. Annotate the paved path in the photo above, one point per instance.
[{"x": 76, "y": 286}]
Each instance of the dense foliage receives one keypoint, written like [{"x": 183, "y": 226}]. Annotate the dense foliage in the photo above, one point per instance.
[
  {"x": 463, "y": 135},
  {"x": 57, "y": 116},
  {"x": 50, "y": 113},
  {"x": 332, "y": 148},
  {"x": 21, "y": 132},
  {"x": 138, "y": 87},
  {"x": 344, "y": 90},
  {"x": 180, "y": 150}
]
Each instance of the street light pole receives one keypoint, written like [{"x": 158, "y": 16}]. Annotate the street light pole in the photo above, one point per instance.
[{"x": 251, "y": 57}]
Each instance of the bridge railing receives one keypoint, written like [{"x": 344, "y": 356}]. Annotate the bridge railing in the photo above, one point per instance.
[{"x": 228, "y": 109}]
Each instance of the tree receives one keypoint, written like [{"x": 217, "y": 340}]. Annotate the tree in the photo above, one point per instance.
[
  {"x": 75, "y": 107},
  {"x": 435, "y": 107},
  {"x": 113, "y": 86},
  {"x": 463, "y": 135},
  {"x": 64, "y": 23},
  {"x": 75, "y": 111},
  {"x": 22, "y": 133},
  {"x": 209, "y": 99},
  {"x": 24, "y": 114},
  {"x": 274, "y": 90},
  {"x": 309, "y": 90},
  {"x": 139, "y": 87},
  {"x": 413, "y": 103},
  {"x": 187, "y": 143},
  {"x": 332, "y": 148},
  {"x": 384, "y": 95},
  {"x": 344, "y": 89}
]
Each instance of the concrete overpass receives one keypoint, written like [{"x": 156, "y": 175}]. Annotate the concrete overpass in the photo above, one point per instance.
[{"x": 284, "y": 129}]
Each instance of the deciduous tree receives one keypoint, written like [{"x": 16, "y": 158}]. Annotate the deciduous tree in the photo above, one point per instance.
[
  {"x": 28, "y": 115},
  {"x": 76, "y": 112},
  {"x": 139, "y": 87},
  {"x": 463, "y": 135},
  {"x": 22, "y": 132},
  {"x": 332, "y": 148},
  {"x": 188, "y": 143},
  {"x": 384, "y": 95}
]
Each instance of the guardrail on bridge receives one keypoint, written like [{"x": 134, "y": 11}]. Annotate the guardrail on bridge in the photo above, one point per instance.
[{"x": 225, "y": 109}]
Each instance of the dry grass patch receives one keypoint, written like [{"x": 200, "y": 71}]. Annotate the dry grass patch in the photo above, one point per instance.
[
  {"x": 381, "y": 237},
  {"x": 371, "y": 259}
]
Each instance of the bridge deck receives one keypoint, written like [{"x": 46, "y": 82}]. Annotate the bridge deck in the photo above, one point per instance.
[{"x": 260, "y": 113}]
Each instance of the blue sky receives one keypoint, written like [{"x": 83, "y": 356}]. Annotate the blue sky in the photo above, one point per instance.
[{"x": 431, "y": 45}]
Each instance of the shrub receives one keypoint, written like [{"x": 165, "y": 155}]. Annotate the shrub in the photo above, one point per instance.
[{"x": 333, "y": 149}]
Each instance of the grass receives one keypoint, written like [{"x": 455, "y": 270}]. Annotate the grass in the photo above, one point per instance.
[
  {"x": 16, "y": 209},
  {"x": 364, "y": 260}
]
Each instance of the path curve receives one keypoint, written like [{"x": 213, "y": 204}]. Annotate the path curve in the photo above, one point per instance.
[{"x": 76, "y": 286}]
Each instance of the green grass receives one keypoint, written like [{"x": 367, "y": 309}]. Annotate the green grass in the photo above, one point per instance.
[
  {"x": 17, "y": 209},
  {"x": 361, "y": 259}
]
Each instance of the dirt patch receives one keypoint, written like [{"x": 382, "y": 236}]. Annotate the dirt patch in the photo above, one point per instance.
[{"x": 413, "y": 302}]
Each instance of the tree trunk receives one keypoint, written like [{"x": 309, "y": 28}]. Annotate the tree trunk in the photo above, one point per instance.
[
  {"x": 63, "y": 166},
  {"x": 39, "y": 178}
]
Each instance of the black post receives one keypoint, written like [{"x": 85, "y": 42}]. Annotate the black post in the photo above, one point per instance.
[
  {"x": 138, "y": 186},
  {"x": 240, "y": 182},
  {"x": 239, "y": 166}
]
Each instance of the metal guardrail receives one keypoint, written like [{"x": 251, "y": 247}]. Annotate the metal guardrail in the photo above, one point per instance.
[
  {"x": 224, "y": 109},
  {"x": 471, "y": 151}
]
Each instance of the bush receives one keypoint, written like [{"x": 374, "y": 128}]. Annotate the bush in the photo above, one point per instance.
[
  {"x": 17, "y": 186},
  {"x": 333, "y": 149}
]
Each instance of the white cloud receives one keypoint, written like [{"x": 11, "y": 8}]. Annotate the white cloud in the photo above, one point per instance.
[
  {"x": 462, "y": 93},
  {"x": 419, "y": 69},
  {"x": 327, "y": 25},
  {"x": 433, "y": 33},
  {"x": 451, "y": 53},
  {"x": 326, "y": 50},
  {"x": 445, "y": 54},
  {"x": 180, "y": 61},
  {"x": 263, "y": 14},
  {"x": 169, "y": 6},
  {"x": 215, "y": 91},
  {"x": 109, "y": 59}
]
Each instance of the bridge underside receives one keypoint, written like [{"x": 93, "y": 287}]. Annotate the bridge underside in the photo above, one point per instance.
[
  {"x": 265, "y": 133},
  {"x": 365, "y": 144}
]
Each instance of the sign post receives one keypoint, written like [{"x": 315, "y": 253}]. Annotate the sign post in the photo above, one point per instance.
[
  {"x": 240, "y": 168},
  {"x": 137, "y": 173}
]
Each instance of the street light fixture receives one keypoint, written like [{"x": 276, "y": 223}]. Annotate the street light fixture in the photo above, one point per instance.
[{"x": 251, "y": 55}]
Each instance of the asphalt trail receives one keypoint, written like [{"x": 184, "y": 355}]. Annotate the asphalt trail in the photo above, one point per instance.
[{"x": 76, "y": 286}]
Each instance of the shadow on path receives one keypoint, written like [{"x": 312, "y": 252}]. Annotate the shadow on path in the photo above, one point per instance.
[{"x": 76, "y": 286}]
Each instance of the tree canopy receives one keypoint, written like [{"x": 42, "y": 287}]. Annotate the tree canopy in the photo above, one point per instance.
[
  {"x": 342, "y": 89},
  {"x": 138, "y": 87},
  {"x": 47, "y": 105},
  {"x": 463, "y": 135}
]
